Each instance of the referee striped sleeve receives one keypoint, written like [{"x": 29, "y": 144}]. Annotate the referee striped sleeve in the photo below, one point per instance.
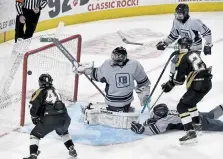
[
  {"x": 43, "y": 3},
  {"x": 19, "y": 4}
]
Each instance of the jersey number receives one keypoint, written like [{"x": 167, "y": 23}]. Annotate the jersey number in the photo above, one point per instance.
[
  {"x": 196, "y": 61},
  {"x": 52, "y": 96}
]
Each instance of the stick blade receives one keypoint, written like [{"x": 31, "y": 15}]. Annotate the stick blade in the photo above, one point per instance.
[{"x": 46, "y": 39}]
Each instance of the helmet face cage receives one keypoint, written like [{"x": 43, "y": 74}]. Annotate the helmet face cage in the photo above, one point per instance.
[
  {"x": 181, "y": 12},
  {"x": 179, "y": 16},
  {"x": 119, "y": 55},
  {"x": 184, "y": 44},
  {"x": 45, "y": 80},
  {"x": 160, "y": 111}
]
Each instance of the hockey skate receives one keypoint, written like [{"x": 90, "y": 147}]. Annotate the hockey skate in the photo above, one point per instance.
[
  {"x": 189, "y": 138},
  {"x": 198, "y": 129},
  {"x": 72, "y": 151},
  {"x": 33, "y": 155}
]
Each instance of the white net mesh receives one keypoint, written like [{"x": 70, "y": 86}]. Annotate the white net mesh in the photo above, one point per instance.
[{"x": 48, "y": 60}]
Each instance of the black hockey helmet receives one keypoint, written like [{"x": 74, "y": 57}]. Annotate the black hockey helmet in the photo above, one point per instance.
[
  {"x": 45, "y": 80},
  {"x": 160, "y": 111},
  {"x": 184, "y": 44},
  {"x": 119, "y": 55},
  {"x": 182, "y": 12}
]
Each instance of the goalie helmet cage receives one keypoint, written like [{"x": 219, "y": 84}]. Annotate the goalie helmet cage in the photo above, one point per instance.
[{"x": 25, "y": 71}]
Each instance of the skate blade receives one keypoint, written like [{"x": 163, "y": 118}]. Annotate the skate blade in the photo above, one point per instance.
[
  {"x": 189, "y": 142},
  {"x": 73, "y": 157},
  {"x": 199, "y": 133}
]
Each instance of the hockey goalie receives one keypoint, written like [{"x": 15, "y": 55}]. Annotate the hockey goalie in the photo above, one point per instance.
[{"x": 119, "y": 74}]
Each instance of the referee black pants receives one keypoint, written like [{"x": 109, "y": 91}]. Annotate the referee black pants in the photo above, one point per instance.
[{"x": 31, "y": 23}]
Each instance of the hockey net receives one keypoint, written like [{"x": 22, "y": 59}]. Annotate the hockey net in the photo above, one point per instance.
[{"x": 17, "y": 84}]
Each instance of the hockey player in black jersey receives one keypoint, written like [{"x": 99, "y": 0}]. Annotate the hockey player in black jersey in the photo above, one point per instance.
[
  {"x": 185, "y": 26},
  {"x": 48, "y": 113},
  {"x": 189, "y": 65}
]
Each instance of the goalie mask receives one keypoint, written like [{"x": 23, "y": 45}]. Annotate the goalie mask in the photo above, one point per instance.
[
  {"x": 184, "y": 44},
  {"x": 119, "y": 56},
  {"x": 182, "y": 12},
  {"x": 45, "y": 80},
  {"x": 160, "y": 111}
]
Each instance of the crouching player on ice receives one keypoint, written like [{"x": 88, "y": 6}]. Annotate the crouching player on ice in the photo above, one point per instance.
[
  {"x": 48, "y": 113},
  {"x": 119, "y": 74},
  {"x": 163, "y": 120}
]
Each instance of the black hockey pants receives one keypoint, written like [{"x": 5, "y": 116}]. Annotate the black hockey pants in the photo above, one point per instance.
[{"x": 60, "y": 123}]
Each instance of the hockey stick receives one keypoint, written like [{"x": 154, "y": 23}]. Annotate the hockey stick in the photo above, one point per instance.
[
  {"x": 126, "y": 41},
  {"x": 161, "y": 74},
  {"x": 69, "y": 57},
  {"x": 156, "y": 100}
]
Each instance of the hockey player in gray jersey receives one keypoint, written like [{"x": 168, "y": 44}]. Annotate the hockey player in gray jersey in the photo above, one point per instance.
[
  {"x": 119, "y": 74},
  {"x": 185, "y": 26},
  {"x": 164, "y": 120}
]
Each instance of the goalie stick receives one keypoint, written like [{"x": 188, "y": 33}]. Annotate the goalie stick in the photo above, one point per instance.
[{"x": 69, "y": 57}]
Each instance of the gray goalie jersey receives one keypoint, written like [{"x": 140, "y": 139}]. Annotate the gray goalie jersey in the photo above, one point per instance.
[
  {"x": 192, "y": 28},
  {"x": 120, "y": 81},
  {"x": 171, "y": 122}
]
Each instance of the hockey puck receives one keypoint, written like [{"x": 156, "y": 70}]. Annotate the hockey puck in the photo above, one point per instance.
[{"x": 29, "y": 72}]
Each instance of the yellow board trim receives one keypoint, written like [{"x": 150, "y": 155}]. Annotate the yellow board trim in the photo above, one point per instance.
[
  {"x": 36, "y": 94},
  {"x": 118, "y": 13}
]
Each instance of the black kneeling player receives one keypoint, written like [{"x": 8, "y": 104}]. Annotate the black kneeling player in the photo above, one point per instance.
[
  {"x": 48, "y": 113},
  {"x": 189, "y": 64}
]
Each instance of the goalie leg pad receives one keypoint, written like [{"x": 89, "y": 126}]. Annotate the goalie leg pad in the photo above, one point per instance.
[{"x": 109, "y": 118}]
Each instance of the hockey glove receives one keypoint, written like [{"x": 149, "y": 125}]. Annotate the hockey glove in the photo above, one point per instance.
[
  {"x": 207, "y": 49},
  {"x": 149, "y": 121},
  {"x": 35, "y": 120},
  {"x": 168, "y": 86},
  {"x": 161, "y": 45},
  {"x": 137, "y": 128},
  {"x": 143, "y": 94}
]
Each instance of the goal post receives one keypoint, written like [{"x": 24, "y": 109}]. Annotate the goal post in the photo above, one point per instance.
[
  {"x": 25, "y": 71},
  {"x": 29, "y": 59}
]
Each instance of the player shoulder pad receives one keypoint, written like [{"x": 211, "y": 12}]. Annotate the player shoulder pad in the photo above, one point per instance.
[
  {"x": 36, "y": 93},
  {"x": 197, "y": 21}
]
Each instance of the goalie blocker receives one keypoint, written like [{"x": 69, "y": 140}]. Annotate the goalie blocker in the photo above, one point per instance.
[{"x": 97, "y": 114}]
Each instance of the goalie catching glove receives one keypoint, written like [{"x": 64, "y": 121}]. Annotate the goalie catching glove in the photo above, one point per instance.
[
  {"x": 143, "y": 94},
  {"x": 83, "y": 68}
]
